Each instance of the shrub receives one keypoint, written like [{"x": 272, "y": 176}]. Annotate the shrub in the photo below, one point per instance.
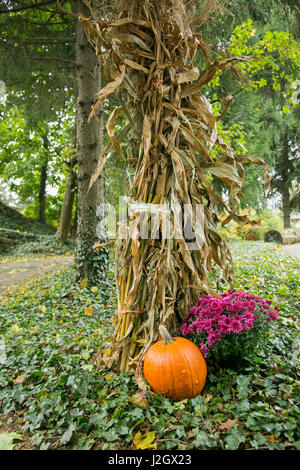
[
  {"x": 270, "y": 220},
  {"x": 229, "y": 328}
]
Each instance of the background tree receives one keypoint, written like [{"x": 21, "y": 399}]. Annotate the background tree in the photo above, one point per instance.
[
  {"x": 66, "y": 213},
  {"x": 272, "y": 79},
  {"x": 32, "y": 157},
  {"x": 89, "y": 263},
  {"x": 265, "y": 106},
  {"x": 38, "y": 42},
  {"x": 48, "y": 57}
]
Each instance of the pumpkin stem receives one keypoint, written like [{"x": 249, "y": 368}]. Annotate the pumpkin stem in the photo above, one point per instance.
[{"x": 165, "y": 335}]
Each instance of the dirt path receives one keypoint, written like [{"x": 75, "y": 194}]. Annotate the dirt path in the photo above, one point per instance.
[
  {"x": 16, "y": 272},
  {"x": 292, "y": 250}
]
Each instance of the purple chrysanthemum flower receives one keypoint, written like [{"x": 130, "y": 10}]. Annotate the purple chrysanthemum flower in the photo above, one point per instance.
[{"x": 232, "y": 312}]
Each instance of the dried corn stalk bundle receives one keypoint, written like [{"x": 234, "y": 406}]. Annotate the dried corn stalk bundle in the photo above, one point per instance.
[{"x": 148, "y": 50}]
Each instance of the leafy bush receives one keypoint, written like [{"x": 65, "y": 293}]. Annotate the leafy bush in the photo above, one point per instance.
[
  {"x": 230, "y": 327},
  {"x": 270, "y": 220}
]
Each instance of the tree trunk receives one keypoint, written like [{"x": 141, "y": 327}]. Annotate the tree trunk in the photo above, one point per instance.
[
  {"x": 287, "y": 236},
  {"x": 65, "y": 220},
  {"x": 74, "y": 226},
  {"x": 286, "y": 204},
  {"x": 43, "y": 181},
  {"x": 42, "y": 191},
  {"x": 89, "y": 264},
  {"x": 286, "y": 207}
]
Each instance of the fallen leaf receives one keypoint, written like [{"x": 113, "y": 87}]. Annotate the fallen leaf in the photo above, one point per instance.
[
  {"x": 89, "y": 310},
  {"x": 139, "y": 400},
  {"x": 228, "y": 424},
  {"x": 6, "y": 440},
  {"x": 109, "y": 377},
  {"x": 15, "y": 329},
  {"x": 145, "y": 441},
  {"x": 207, "y": 398},
  {"x": 271, "y": 438},
  {"x": 141, "y": 383},
  {"x": 19, "y": 380},
  {"x": 34, "y": 330}
]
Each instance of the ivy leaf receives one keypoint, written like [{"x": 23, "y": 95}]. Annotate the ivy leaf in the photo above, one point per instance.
[
  {"x": 67, "y": 435},
  {"x": 218, "y": 417},
  {"x": 243, "y": 382},
  {"x": 145, "y": 441},
  {"x": 234, "y": 439},
  {"x": 6, "y": 440},
  {"x": 258, "y": 440}
]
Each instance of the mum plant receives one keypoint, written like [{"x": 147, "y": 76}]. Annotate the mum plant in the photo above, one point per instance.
[{"x": 229, "y": 328}]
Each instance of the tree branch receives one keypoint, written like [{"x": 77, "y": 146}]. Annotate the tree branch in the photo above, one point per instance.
[
  {"x": 51, "y": 58},
  {"x": 46, "y": 40},
  {"x": 27, "y": 7}
]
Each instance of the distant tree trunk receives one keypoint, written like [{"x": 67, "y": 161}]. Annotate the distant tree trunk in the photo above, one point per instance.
[
  {"x": 74, "y": 226},
  {"x": 42, "y": 192},
  {"x": 43, "y": 183},
  {"x": 286, "y": 203},
  {"x": 89, "y": 145},
  {"x": 65, "y": 219},
  {"x": 286, "y": 206}
]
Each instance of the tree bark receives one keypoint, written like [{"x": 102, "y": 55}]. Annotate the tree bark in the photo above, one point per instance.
[
  {"x": 43, "y": 183},
  {"x": 65, "y": 219},
  {"x": 286, "y": 206},
  {"x": 89, "y": 146},
  {"x": 74, "y": 225},
  {"x": 286, "y": 203}
]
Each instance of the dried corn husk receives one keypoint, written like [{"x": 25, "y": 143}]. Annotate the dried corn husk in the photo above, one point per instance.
[{"x": 148, "y": 49}]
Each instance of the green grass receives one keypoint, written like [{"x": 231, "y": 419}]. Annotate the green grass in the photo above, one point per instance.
[{"x": 50, "y": 383}]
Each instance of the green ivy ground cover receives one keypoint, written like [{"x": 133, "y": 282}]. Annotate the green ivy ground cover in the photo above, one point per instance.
[{"x": 50, "y": 386}]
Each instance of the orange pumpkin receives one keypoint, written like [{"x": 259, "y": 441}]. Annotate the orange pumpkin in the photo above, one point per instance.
[{"x": 175, "y": 367}]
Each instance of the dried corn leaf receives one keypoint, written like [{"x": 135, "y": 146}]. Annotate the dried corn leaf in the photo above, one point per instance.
[
  {"x": 110, "y": 126},
  {"x": 135, "y": 65},
  {"x": 101, "y": 162},
  {"x": 127, "y": 38},
  {"x": 187, "y": 77},
  {"x": 223, "y": 171},
  {"x": 109, "y": 89},
  {"x": 146, "y": 136}
]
